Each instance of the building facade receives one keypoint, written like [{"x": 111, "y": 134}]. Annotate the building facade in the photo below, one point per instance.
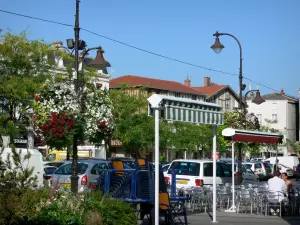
[
  {"x": 280, "y": 112},
  {"x": 222, "y": 95}
]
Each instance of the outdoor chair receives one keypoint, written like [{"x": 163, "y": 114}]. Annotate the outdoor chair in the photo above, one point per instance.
[
  {"x": 244, "y": 199},
  {"x": 223, "y": 196},
  {"x": 171, "y": 212},
  {"x": 273, "y": 200}
]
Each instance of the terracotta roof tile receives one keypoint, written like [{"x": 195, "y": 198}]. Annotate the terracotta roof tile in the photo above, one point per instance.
[
  {"x": 210, "y": 90},
  {"x": 152, "y": 83}
]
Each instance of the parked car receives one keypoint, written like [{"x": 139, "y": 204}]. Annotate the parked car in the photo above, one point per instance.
[
  {"x": 248, "y": 175},
  {"x": 263, "y": 170},
  {"x": 88, "y": 171},
  {"x": 190, "y": 173}
]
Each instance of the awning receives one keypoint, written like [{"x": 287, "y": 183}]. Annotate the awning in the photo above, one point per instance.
[
  {"x": 186, "y": 110},
  {"x": 251, "y": 136}
]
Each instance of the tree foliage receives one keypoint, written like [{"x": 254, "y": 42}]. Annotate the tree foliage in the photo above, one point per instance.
[
  {"x": 134, "y": 128},
  {"x": 24, "y": 67}
]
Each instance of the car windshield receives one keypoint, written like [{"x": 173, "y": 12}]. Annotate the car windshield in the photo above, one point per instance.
[
  {"x": 67, "y": 169},
  {"x": 49, "y": 170},
  {"x": 248, "y": 166},
  {"x": 185, "y": 168}
]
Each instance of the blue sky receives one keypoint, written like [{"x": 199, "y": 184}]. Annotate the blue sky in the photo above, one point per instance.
[{"x": 268, "y": 31}]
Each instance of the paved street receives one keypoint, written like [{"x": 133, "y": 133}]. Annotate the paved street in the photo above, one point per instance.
[{"x": 237, "y": 219}]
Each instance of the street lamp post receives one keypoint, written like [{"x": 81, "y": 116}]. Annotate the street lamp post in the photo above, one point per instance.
[{"x": 217, "y": 47}]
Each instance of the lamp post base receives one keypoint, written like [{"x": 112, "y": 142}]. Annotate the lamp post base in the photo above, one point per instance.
[
  {"x": 231, "y": 209},
  {"x": 74, "y": 184}
]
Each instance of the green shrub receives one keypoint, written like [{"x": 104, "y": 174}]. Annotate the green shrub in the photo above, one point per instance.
[{"x": 87, "y": 208}]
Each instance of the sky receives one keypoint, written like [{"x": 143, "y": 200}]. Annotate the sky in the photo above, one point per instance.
[{"x": 267, "y": 30}]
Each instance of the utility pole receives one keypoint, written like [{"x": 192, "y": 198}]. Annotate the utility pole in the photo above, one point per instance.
[{"x": 74, "y": 177}]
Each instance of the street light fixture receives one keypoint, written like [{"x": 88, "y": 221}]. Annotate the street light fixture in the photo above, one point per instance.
[{"x": 217, "y": 46}]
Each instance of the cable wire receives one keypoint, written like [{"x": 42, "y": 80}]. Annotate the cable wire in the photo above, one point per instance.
[{"x": 137, "y": 48}]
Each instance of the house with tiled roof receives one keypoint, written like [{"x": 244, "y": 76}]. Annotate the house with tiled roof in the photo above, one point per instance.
[
  {"x": 158, "y": 86},
  {"x": 222, "y": 95},
  {"x": 280, "y": 112}
]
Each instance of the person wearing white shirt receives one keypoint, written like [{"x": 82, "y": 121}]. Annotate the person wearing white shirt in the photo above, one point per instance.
[{"x": 277, "y": 185}]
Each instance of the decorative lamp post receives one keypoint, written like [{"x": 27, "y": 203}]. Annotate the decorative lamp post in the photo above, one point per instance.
[{"x": 217, "y": 47}]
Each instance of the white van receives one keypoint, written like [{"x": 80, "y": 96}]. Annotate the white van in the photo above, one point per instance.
[
  {"x": 287, "y": 161},
  {"x": 35, "y": 161},
  {"x": 193, "y": 173}
]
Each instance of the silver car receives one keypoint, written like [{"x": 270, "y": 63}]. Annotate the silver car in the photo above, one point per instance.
[{"x": 88, "y": 172}]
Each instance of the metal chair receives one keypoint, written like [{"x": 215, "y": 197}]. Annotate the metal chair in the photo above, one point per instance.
[{"x": 169, "y": 211}]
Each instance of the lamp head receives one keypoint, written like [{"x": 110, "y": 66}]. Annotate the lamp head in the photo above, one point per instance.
[
  {"x": 258, "y": 99},
  {"x": 217, "y": 46}
]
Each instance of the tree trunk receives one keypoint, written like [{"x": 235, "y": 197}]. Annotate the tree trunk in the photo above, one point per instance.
[{"x": 69, "y": 149}]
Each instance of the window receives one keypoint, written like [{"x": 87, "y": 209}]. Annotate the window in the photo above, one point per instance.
[
  {"x": 51, "y": 157},
  {"x": 67, "y": 169},
  {"x": 207, "y": 169},
  {"x": 185, "y": 168},
  {"x": 49, "y": 170},
  {"x": 99, "y": 168},
  {"x": 274, "y": 117},
  {"x": 259, "y": 117},
  {"x": 257, "y": 166},
  {"x": 177, "y": 95},
  {"x": 226, "y": 170}
]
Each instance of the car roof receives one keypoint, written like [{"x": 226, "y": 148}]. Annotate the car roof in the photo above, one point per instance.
[{"x": 193, "y": 160}]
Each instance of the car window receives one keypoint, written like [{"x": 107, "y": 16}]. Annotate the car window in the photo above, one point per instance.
[
  {"x": 165, "y": 168},
  {"x": 100, "y": 167},
  {"x": 50, "y": 157},
  {"x": 244, "y": 169},
  {"x": 248, "y": 166},
  {"x": 208, "y": 169},
  {"x": 49, "y": 170},
  {"x": 226, "y": 169},
  {"x": 67, "y": 169},
  {"x": 185, "y": 168},
  {"x": 266, "y": 164},
  {"x": 257, "y": 165}
]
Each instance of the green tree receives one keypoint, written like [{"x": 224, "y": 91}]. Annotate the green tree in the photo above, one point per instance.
[
  {"x": 24, "y": 67},
  {"x": 134, "y": 128}
]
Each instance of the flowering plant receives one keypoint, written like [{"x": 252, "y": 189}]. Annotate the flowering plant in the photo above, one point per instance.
[{"x": 59, "y": 114}]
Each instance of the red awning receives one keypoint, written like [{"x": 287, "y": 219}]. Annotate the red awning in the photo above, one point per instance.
[{"x": 251, "y": 136}]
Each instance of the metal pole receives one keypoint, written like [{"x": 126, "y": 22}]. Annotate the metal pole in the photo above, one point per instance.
[
  {"x": 232, "y": 208},
  {"x": 74, "y": 177},
  {"x": 214, "y": 173},
  {"x": 156, "y": 205}
]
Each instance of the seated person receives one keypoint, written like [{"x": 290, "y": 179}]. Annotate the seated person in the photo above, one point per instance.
[{"x": 277, "y": 185}]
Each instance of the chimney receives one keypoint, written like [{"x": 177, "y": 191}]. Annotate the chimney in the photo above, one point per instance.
[
  {"x": 206, "y": 81},
  {"x": 282, "y": 92},
  {"x": 187, "y": 82}
]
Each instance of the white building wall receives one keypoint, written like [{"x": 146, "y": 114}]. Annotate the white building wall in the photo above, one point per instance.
[{"x": 269, "y": 110}]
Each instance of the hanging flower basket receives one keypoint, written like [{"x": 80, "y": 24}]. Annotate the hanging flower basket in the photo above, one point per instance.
[{"x": 59, "y": 116}]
